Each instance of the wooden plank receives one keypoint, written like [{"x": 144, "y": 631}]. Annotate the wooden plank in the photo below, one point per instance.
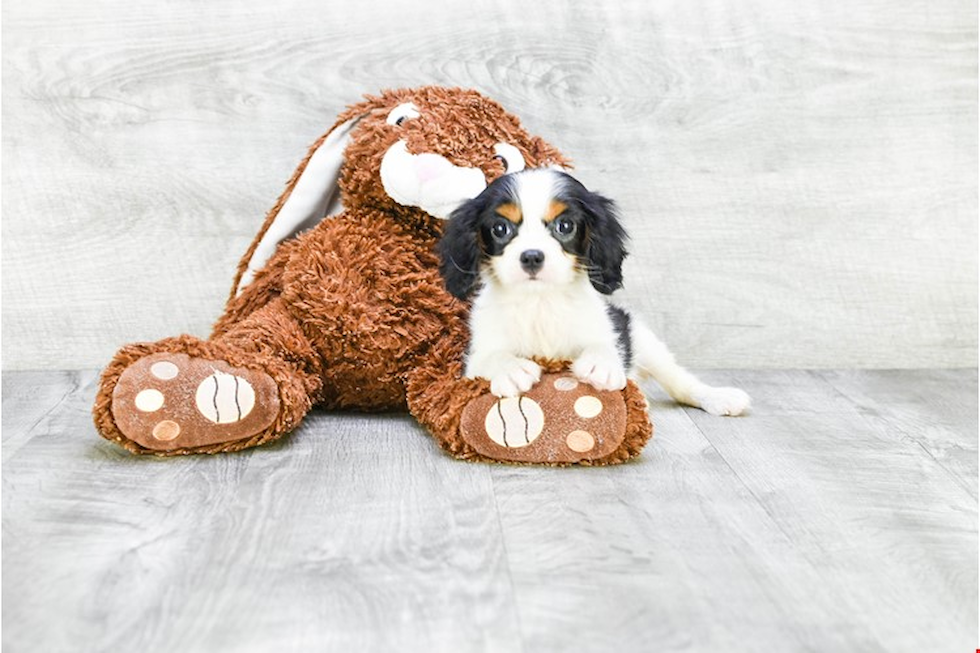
[
  {"x": 354, "y": 534},
  {"x": 935, "y": 408},
  {"x": 790, "y": 171},
  {"x": 893, "y": 533},
  {"x": 29, "y": 397}
]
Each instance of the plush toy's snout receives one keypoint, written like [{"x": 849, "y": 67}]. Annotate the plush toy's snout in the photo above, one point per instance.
[
  {"x": 428, "y": 181},
  {"x": 430, "y": 166}
]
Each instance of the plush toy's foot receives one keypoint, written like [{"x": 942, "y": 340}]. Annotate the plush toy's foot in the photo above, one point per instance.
[
  {"x": 559, "y": 421},
  {"x": 172, "y": 402}
]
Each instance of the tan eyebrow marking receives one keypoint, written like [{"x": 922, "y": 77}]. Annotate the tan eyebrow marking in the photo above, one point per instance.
[
  {"x": 555, "y": 209},
  {"x": 510, "y": 211}
]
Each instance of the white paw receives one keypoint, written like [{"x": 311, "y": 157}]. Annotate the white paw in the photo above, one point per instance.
[
  {"x": 601, "y": 372},
  {"x": 515, "y": 378},
  {"x": 722, "y": 401}
]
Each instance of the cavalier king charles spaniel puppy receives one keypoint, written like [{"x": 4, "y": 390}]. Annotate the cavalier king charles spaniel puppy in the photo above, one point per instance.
[{"x": 538, "y": 254}]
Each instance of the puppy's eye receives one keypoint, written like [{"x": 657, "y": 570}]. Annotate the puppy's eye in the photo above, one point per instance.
[
  {"x": 564, "y": 228},
  {"x": 501, "y": 229}
]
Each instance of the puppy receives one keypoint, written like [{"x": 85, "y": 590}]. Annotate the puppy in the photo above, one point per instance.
[{"x": 538, "y": 253}]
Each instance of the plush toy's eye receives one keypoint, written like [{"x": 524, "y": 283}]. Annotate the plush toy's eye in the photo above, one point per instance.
[
  {"x": 563, "y": 228},
  {"x": 511, "y": 156},
  {"x": 401, "y": 113},
  {"x": 501, "y": 229}
]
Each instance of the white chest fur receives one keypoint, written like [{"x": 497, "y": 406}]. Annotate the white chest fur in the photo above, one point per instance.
[{"x": 551, "y": 321}]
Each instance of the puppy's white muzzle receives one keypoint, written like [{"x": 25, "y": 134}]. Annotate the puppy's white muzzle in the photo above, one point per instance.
[{"x": 428, "y": 181}]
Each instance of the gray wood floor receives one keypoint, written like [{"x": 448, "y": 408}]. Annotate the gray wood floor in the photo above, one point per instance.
[{"x": 840, "y": 516}]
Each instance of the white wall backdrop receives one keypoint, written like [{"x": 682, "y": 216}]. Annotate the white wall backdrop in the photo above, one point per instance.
[{"x": 800, "y": 178}]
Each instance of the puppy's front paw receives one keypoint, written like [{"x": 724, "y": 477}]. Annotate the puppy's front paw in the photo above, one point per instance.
[
  {"x": 515, "y": 378},
  {"x": 601, "y": 372},
  {"x": 722, "y": 401}
]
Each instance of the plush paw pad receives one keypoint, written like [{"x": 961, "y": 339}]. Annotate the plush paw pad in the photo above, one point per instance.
[
  {"x": 560, "y": 420},
  {"x": 514, "y": 422},
  {"x": 169, "y": 401},
  {"x": 224, "y": 398}
]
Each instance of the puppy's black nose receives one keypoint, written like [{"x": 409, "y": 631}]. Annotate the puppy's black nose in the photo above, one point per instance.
[{"x": 532, "y": 260}]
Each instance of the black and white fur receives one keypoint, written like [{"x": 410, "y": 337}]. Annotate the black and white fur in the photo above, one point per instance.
[{"x": 538, "y": 253}]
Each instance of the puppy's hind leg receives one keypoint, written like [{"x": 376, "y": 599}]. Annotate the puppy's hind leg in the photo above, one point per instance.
[{"x": 651, "y": 358}]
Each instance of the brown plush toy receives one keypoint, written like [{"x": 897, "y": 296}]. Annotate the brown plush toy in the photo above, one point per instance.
[{"x": 349, "y": 311}]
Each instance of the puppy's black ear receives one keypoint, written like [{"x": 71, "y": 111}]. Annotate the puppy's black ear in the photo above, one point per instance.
[
  {"x": 459, "y": 249},
  {"x": 605, "y": 248}
]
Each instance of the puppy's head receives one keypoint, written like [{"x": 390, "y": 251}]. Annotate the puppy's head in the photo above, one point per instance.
[{"x": 536, "y": 229}]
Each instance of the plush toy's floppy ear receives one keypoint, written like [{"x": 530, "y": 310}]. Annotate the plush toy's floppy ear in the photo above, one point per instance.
[
  {"x": 606, "y": 245},
  {"x": 311, "y": 194},
  {"x": 459, "y": 249}
]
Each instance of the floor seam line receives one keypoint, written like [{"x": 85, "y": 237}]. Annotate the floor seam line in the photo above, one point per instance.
[
  {"x": 741, "y": 481},
  {"x": 956, "y": 479},
  {"x": 503, "y": 545}
]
